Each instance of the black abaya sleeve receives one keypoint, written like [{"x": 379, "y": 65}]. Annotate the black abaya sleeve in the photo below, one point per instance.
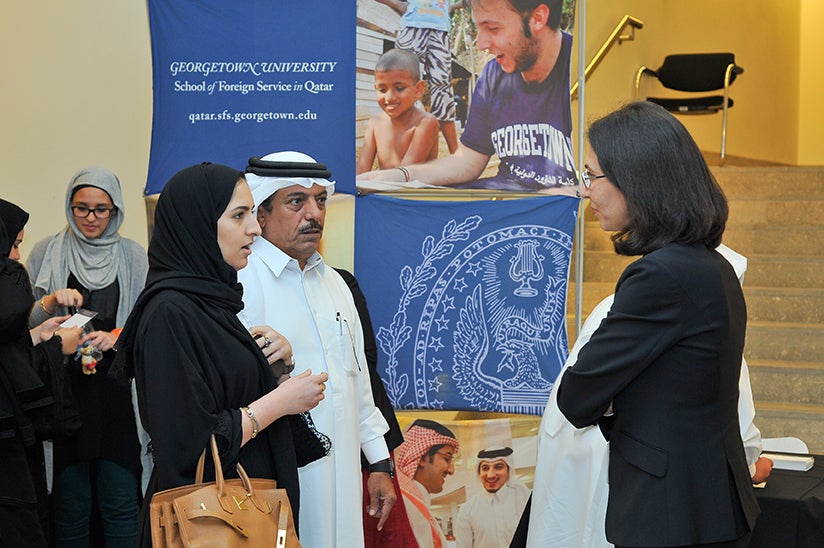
[{"x": 182, "y": 390}]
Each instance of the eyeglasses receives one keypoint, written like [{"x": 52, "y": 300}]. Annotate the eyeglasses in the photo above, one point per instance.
[
  {"x": 588, "y": 177},
  {"x": 447, "y": 457},
  {"x": 81, "y": 212}
]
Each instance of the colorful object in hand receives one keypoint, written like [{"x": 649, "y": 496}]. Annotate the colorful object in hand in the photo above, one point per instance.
[{"x": 88, "y": 354}]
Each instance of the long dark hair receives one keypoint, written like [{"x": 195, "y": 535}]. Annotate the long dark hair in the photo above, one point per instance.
[{"x": 670, "y": 193}]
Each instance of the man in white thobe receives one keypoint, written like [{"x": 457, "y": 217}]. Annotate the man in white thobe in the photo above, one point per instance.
[
  {"x": 570, "y": 491},
  {"x": 488, "y": 519},
  {"x": 287, "y": 286}
]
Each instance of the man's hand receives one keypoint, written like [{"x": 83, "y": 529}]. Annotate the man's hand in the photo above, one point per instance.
[
  {"x": 382, "y": 496},
  {"x": 273, "y": 345},
  {"x": 763, "y": 469}
]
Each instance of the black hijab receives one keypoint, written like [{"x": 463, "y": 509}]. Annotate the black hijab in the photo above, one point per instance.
[
  {"x": 16, "y": 289},
  {"x": 13, "y": 220},
  {"x": 184, "y": 254},
  {"x": 184, "y": 243},
  {"x": 5, "y": 243}
]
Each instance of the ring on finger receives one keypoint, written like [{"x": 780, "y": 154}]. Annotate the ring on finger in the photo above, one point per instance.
[{"x": 267, "y": 342}]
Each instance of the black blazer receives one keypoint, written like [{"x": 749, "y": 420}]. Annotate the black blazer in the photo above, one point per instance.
[{"x": 668, "y": 358}]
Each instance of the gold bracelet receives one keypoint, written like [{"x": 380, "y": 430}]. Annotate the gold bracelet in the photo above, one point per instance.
[
  {"x": 43, "y": 306},
  {"x": 253, "y": 418}
]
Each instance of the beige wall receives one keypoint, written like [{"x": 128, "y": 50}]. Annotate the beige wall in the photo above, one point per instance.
[
  {"x": 77, "y": 91},
  {"x": 763, "y": 34}
]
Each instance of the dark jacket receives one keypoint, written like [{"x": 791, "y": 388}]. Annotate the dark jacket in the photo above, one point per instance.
[{"x": 668, "y": 358}]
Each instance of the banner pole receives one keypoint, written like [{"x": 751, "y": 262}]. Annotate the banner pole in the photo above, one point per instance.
[{"x": 580, "y": 31}]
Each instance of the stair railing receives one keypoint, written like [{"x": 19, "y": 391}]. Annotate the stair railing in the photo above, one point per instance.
[{"x": 615, "y": 36}]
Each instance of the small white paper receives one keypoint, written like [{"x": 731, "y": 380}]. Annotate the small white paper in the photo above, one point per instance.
[{"x": 79, "y": 319}]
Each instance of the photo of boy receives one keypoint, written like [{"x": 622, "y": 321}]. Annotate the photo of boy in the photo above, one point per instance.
[
  {"x": 424, "y": 30},
  {"x": 403, "y": 133}
]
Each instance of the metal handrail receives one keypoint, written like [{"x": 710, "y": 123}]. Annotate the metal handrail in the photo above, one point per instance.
[{"x": 615, "y": 36}]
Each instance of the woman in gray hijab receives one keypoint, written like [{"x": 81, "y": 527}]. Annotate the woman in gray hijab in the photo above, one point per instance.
[{"x": 89, "y": 264}]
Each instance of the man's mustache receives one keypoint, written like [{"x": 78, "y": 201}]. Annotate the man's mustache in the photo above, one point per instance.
[{"x": 313, "y": 225}]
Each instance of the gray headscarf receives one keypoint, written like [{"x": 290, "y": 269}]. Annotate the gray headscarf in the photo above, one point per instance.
[{"x": 98, "y": 262}]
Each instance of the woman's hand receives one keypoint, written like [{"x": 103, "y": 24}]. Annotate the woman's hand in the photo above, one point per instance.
[
  {"x": 274, "y": 345},
  {"x": 62, "y": 297},
  {"x": 301, "y": 392},
  {"x": 71, "y": 339},
  {"x": 294, "y": 395},
  {"x": 102, "y": 340},
  {"x": 45, "y": 330}
]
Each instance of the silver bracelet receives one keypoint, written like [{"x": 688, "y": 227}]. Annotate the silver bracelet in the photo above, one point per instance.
[{"x": 253, "y": 418}]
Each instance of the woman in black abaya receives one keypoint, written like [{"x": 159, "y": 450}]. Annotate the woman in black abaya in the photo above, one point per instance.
[
  {"x": 31, "y": 406},
  {"x": 196, "y": 367}
]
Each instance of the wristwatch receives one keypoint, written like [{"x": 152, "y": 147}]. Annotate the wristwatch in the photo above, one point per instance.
[{"x": 385, "y": 465}]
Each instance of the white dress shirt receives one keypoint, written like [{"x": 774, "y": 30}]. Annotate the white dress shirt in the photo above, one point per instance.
[{"x": 314, "y": 310}]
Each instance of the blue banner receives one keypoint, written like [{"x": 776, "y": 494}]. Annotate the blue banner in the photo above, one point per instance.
[
  {"x": 250, "y": 77},
  {"x": 468, "y": 299}
]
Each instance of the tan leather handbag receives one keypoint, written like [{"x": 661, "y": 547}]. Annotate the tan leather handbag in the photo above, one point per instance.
[{"x": 233, "y": 513}]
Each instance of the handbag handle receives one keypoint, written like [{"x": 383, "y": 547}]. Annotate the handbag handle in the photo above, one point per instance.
[
  {"x": 225, "y": 501},
  {"x": 218, "y": 465},
  {"x": 201, "y": 465},
  {"x": 264, "y": 506}
]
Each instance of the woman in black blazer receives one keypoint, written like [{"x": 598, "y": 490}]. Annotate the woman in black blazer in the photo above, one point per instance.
[{"x": 660, "y": 375}]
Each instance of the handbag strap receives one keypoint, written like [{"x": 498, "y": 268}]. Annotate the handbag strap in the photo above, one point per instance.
[
  {"x": 218, "y": 465},
  {"x": 201, "y": 464},
  {"x": 244, "y": 478}
]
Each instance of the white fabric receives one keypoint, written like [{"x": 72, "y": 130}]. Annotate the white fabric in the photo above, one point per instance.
[
  {"x": 750, "y": 434},
  {"x": 263, "y": 187},
  {"x": 569, "y": 496},
  {"x": 489, "y": 520},
  {"x": 146, "y": 460},
  {"x": 737, "y": 260},
  {"x": 304, "y": 307}
]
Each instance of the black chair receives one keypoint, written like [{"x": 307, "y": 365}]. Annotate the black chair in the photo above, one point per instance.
[{"x": 695, "y": 72}]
